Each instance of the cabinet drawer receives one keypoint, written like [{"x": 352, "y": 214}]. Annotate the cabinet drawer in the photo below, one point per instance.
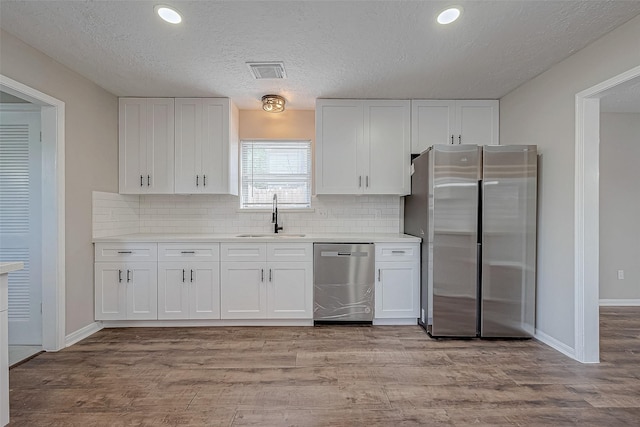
[
  {"x": 243, "y": 252},
  {"x": 107, "y": 252},
  {"x": 205, "y": 252},
  {"x": 290, "y": 252},
  {"x": 397, "y": 252}
]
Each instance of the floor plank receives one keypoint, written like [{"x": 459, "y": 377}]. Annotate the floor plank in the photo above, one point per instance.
[{"x": 327, "y": 376}]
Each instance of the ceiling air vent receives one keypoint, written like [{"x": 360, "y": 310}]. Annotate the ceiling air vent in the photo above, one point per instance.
[{"x": 267, "y": 70}]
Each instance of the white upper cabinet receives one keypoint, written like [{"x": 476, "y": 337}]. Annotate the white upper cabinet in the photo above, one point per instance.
[
  {"x": 453, "y": 122},
  {"x": 206, "y": 147},
  {"x": 362, "y": 146},
  {"x": 146, "y": 145}
]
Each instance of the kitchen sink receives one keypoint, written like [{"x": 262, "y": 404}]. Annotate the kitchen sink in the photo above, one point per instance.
[{"x": 279, "y": 235}]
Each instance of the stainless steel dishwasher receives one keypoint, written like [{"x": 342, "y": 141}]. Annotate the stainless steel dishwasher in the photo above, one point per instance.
[{"x": 343, "y": 282}]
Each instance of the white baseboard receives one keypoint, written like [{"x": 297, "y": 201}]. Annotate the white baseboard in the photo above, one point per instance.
[
  {"x": 555, "y": 344},
  {"x": 619, "y": 302},
  {"x": 394, "y": 322},
  {"x": 82, "y": 333},
  {"x": 195, "y": 323}
]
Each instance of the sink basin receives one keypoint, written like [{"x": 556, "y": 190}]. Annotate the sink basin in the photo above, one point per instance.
[{"x": 279, "y": 235}]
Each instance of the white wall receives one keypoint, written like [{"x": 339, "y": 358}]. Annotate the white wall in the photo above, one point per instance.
[
  {"x": 542, "y": 112},
  {"x": 619, "y": 205},
  {"x": 91, "y": 159}
]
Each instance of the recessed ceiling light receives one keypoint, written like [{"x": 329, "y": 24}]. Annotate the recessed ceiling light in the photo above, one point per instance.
[
  {"x": 169, "y": 14},
  {"x": 449, "y": 15}
]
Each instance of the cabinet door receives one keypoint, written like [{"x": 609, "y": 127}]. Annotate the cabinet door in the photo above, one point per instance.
[
  {"x": 173, "y": 290},
  {"x": 387, "y": 134},
  {"x": 160, "y": 146},
  {"x": 290, "y": 290},
  {"x": 242, "y": 290},
  {"x": 132, "y": 143},
  {"x": 215, "y": 146},
  {"x": 142, "y": 291},
  {"x": 339, "y": 128},
  {"x": 477, "y": 122},
  {"x": 204, "y": 290},
  {"x": 432, "y": 122},
  {"x": 397, "y": 290},
  {"x": 188, "y": 159},
  {"x": 110, "y": 291}
]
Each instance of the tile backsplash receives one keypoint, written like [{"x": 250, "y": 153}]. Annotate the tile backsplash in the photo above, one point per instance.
[{"x": 220, "y": 214}]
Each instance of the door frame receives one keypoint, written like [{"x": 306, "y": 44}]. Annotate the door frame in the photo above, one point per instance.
[
  {"x": 587, "y": 217},
  {"x": 53, "y": 202}
]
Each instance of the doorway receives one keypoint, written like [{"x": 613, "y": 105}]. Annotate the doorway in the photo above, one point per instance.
[
  {"x": 587, "y": 208},
  {"x": 21, "y": 222},
  {"x": 52, "y": 243}
]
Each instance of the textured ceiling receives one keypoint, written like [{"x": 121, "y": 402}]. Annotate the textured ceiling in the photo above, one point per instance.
[{"x": 344, "y": 49}]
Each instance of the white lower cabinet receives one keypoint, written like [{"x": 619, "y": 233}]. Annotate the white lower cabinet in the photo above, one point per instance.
[
  {"x": 188, "y": 290},
  {"x": 126, "y": 291},
  {"x": 397, "y": 281},
  {"x": 266, "y": 281}
]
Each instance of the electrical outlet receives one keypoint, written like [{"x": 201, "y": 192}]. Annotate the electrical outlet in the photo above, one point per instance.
[
  {"x": 322, "y": 213},
  {"x": 620, "y": 274}
]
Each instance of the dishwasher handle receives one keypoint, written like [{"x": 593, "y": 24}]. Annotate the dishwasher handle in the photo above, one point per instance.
[{"x": 343, "y": 254}]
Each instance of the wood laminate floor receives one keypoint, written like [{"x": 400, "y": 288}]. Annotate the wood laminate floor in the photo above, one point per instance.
[{"x": 327, "y": 376}]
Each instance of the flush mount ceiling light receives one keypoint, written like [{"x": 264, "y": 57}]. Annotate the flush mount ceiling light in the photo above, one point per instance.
[
  {"x": 168, "y": 14},
  {"x": 449, "y": 15},
  {"x": 273, "y": 103}
]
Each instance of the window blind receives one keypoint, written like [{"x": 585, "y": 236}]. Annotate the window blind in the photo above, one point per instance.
[{"x": 275, "y": 167}]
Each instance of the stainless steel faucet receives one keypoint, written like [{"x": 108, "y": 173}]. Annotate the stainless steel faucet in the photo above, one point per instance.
[{"x": 274, "y": 215}]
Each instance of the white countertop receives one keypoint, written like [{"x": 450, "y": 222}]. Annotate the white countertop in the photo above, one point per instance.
[
  {"x": 264, "y": 237},
  {"x": 8, "y": 267}
]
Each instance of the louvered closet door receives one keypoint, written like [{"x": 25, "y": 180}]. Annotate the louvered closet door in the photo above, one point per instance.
[{"x": 20, "y": 221}]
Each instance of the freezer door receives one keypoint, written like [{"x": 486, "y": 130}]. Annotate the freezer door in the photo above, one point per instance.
[
  {"x": 454, "y": 200},
  {"x": 508, "y": 241}
]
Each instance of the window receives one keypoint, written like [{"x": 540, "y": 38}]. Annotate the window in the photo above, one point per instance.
[{"x": 275, "y": 167}]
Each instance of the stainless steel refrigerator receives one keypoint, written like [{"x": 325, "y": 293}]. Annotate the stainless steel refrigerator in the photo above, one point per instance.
[{"x": 475, "y": 210}]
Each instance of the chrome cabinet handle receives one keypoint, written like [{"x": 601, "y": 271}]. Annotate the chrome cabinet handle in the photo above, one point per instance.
[
  {"x": 204, "y": 180},
  {"x": 124, "y": 252},
  {"x": 360, "y": 181},
  {"x": 141, "y": 181},
  {"x": 183, "y": 275},
  {"x": 191, "y": 276},
  {"x": 128, "y": 278},
  {"x": 378, "y": 275},
  {"x": 397, "y": 252},
  {"x": 459, "y": 139},
  {"x": 262, "y": 275},
  {"x": 269, "y": 274},
  {"x": 119, "y": 276},
  {"x": 452, "y": 139},
  {"x": 367, "y": 181},
  {"x": 197, "y": 178},
  {"x": 188, "y": 252},
  {"x": 148, "y": 180}
]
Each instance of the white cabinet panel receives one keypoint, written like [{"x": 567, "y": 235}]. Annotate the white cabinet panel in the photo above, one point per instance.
[
  {"x": 242, "y": 290},
  {"x": 130, "y": 252},
  {"x": 397, "y": 295},
  {"x": 339, "y": 129},
  {"x": 388, "y": 132},
  {"x": 206, "y": 146},
  {"x": 453, "y": 122},
  {"x": 199, "y": 252},
  {"x": 146, "y": 145},
  {"x": 295, "y": 252},
  {"x": 188, "y": 290},
  {"x": 243, "y": 252},
  {"x": 290, "y": 289},
  {"x": 397, "y": 287},
  {"x": 126, "y": 291},
  {"x": 362, "y": 146}
]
